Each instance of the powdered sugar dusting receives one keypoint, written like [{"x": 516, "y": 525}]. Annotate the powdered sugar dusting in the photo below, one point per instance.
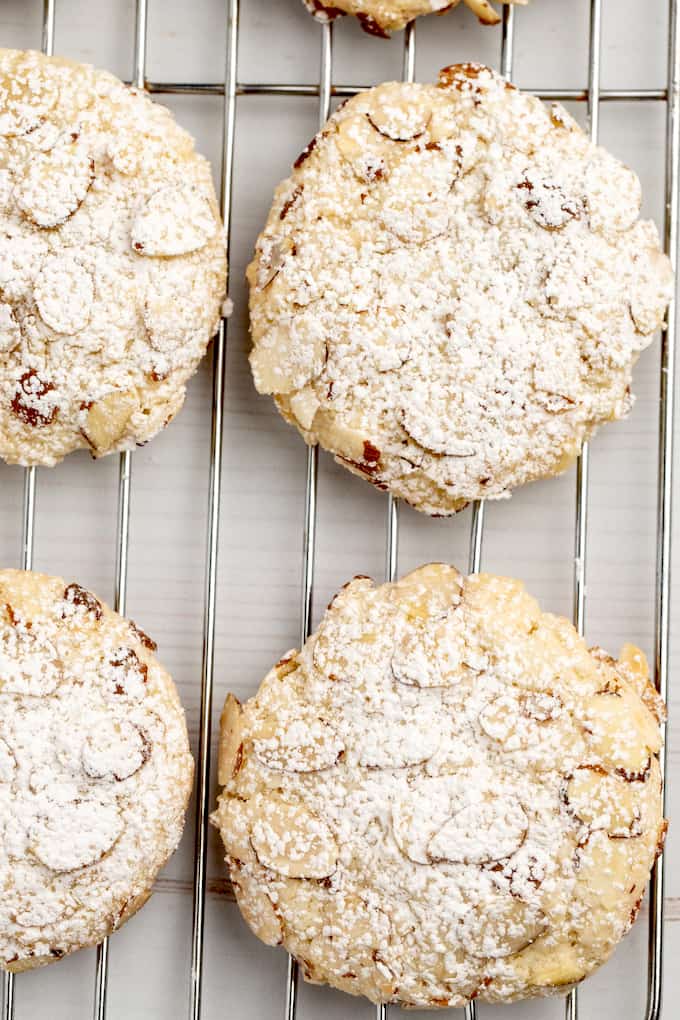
[
  {"x": 95, "y": 769},
  {"x": 112, "y": 261},
  {"x": 452, "y": 289},
  {"x": 488, "y": 836}
]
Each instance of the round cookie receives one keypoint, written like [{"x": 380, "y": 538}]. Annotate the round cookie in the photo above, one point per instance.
[
  {"x": 444, "y": 796},
  {"x": 452, "y": 289},
  {"x": 112, "y": 261},
  {"x": 95, "y": 769},
  {"x": 380, "y": 17}
]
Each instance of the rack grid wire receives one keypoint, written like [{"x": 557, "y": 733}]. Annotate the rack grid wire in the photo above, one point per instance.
[{"x": 325, "y": 91}]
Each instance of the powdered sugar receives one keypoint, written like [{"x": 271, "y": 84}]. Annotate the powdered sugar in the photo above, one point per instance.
[
  {"x": 477, "y": 837},
  {"x": 452, "y": 289},
  {"x": 108, "y": 225},
  {"x": 95, "y": 769}
]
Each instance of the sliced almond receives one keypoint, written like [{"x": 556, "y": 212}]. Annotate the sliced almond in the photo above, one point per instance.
[
  {"x": 10, "y": 333},
  {"x": 293, "y": 744},
  {"x": 75, "y": 835},
  {"x": 482, "y": 832},
  {"x": 231, "y": 740},
  {"x": 432, "y": 654},
  {"x": 288, "y": 355},
  {"x": 359, "y": 145},
  {"x": 63, "y": 293},
  {"x": 429, "y": 592},
  {"x": 54, "y": 183},
  {"x": 621, "y": 732},
  {"x": 418, "y": 815},
  {"x": 603, "y": 801},
  {"x": 399, "y": 111},
  {"x": 116, "y": 750},
  {"x": 304, "y": 404},
  {"x": 175, "y": 220},
  {"x": 257, "y": 908},
  {"x": 292, "y": 841},
  {"x": 431, "y": 427},
  {"x": 651, "y": 290},
  {"x": 612, "y": 193},
  {"x": 388, "y": 743},
  {"x": 233, "y": 820},
  {"x": 504, "y": 926},
  {"x": 107, "y": 420}
]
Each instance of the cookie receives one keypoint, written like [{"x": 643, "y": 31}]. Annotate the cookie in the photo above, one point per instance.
[
  {"x": 452, "y": 288},
  {"x": 112, "y": 261},
  {"x": 380, "y": 17},
  {"x": 444, "y": 796},
  {"x": 95, "y": 769}
]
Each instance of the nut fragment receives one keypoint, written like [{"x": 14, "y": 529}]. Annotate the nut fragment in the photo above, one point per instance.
[
  {"x": 621, "y": 732},
  {"x": 116, "y": 750},
  {"x": 108, "y": 419},
  {"x": 33, "y": 401},
  {"x": 76, "y": 598},
  {"x": 72, "y": 836},
  {"x": 293, "y": 841},
  {"x": 506, "y": 926},
  {"x": 64, "y": 292},
  {"x": 603, "y": 801},
  {"x": 291, "y": 744},
  {"x": 175, "y": 220},
  {"x": 396, "y": 111},
  {"x": 481, "y": 832},
  {"x": 231, "y": 740},
  {"x": 54, "y": 183}
]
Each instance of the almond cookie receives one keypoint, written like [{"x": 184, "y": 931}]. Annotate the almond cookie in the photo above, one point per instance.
[
  {"x": 452, "y": 289},
  {"x": 380, "y": 17},
  {"x": 444, "y": 796},
  {"x": 95, "y": 769},
  {"x": 112, "y": 261}
]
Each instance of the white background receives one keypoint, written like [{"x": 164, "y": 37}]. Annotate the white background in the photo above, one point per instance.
[{"x": 264, "y": 464}]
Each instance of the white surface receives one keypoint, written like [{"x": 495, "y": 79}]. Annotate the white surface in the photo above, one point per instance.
[{"x": 259, "y": 566}]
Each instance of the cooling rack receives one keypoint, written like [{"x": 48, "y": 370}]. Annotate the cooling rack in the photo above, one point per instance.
[{"x": 231, "y": 89}]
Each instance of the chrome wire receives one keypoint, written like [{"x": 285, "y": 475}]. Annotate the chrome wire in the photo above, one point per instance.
[
  {"x": 324, "y": 92},
  {"x": 101, "y": 977},
  {"x": 214, "y": 504},
  {"x": 665, "y": 489},
  {"x": 477, "y": 528},
  {"x": 28, "y": 506},
  {"x": 583, "y": 462},
  {"x": 343, "y": 91}
]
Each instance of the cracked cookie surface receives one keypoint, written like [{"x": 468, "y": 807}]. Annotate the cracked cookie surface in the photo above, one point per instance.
[
  {"x": 95, "y": 769},
  {"x": 380, "y": 17},
  {"x": 112, "y": 261},
  {"x": 444, "y": 796},
  {"x": 452, "y": 289}
]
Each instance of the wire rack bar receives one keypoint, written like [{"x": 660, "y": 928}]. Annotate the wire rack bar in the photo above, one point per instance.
[
  {"x": 214, "y": 504},
  {"x": 324, "y": 92},
  {"x": 343, "y": 91},
  {"x": 101, "y": 976},
  {"x": 665, "y": 490}
]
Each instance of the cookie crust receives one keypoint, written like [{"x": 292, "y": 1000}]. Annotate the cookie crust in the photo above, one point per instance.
[
  {"x": 380, "y": 17},
  {"x": 452, "y": 289},
  {"x": 112, "y": 261},
  {"x": 95, "y": 769},
  {"x": 444, "y": 796}
]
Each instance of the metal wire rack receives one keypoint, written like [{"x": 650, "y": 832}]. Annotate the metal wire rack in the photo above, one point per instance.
[{"x": 231, "y": 88}]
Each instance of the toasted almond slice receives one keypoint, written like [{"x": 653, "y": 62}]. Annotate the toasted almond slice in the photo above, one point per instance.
[
  {"x": 428, "y": 592},
  {"x": 293, "y": 744},
  {"x": 633, "y": 663},
  {"x": 501, "y": 926},
  {"x": 612, "y": 193},
  {"x": 603, "y": 801},
  {"x": 398, "y": 743},
  {"x": 63, "y": 292},
  {"x": 651, "y": 291},
  {"x": 291, "y": 840},
  {"x": 484, "y": 11},
  {"x": 621, "y": 732},
  {"x": 232, "y": 818},
  {"x": 175, "y": 220},
  {"x": 75, "y": 835},
  {"x": 115, "y": 750},
  {"x": 418, "y": 815},
  {"x": 288, "y": 355},
  {"x": 257, "y": 908},
  {"x": 432, "y": 653},
  {"x": 55, "y": 183},
  {"x": 482, "y": 832},
  {"x": 432, "y": 429},
  {"x": 108, "y": 419},
  {"x": 398, "y": 111},
  {"x": 231, "y": 740}
]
